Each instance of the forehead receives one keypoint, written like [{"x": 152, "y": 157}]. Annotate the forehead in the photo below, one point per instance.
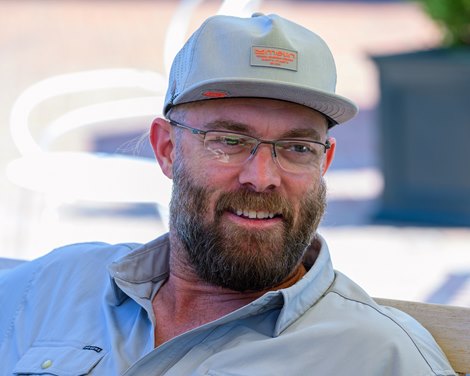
[{"x": 264, "y": 117}]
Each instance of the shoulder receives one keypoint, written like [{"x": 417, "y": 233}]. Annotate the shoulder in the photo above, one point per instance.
[
  {"x": 385, "y": 332},
  {"x": 46, "y": 297},
  {"x": 72, "y": 265},
  {"x": 91, "y": 256}
]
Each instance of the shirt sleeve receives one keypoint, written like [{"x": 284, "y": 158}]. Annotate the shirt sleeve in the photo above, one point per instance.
[{"x": 15, "y": 284}]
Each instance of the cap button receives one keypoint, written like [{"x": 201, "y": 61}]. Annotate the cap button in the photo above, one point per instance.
[{"x": 257, "y": 14}]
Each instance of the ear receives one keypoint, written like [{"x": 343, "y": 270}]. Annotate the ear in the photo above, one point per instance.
[
  {"x": 161, "y": 139},
  {"x": 330, "y": 153}
]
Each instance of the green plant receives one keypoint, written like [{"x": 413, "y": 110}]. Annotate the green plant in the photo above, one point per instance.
[{"x": 453, "y": 16}]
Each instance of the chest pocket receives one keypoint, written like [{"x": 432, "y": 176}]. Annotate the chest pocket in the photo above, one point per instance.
[{"x": 59, "y": 361}]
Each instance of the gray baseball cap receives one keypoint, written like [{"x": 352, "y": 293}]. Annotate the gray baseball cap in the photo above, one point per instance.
[{"x": 265, "y": 56}]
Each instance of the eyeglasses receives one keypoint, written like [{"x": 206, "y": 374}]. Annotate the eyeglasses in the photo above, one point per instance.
[{"x": 232, "y": 148}]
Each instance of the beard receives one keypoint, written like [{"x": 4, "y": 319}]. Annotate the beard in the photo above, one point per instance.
[{"x": 227, "y": 255}]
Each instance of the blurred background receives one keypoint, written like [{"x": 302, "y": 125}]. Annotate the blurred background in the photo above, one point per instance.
[{"x": 82, "y": 80}]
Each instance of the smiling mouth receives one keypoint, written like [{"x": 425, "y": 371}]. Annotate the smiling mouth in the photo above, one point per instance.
[{"x": 255, "y": 214}]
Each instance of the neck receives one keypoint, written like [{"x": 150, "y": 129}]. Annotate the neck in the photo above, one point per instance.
[{"x": 181, "y": 303}]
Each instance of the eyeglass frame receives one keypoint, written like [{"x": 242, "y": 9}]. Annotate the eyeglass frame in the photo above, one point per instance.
[{"x": 326, "y": 145}]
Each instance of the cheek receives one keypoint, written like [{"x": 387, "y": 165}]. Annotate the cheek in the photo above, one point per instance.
[
  {"x": 194, "y": 165},
  {"x": 217, "y": 176},
  {"x": 301, "y": 185},
  {"x": 303, "y": 191}
]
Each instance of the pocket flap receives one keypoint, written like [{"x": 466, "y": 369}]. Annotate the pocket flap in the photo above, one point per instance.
[{"x": 59, "y": 360}]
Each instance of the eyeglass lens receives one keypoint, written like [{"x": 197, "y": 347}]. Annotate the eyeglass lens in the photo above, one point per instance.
[{"x": 291, "y": 155}]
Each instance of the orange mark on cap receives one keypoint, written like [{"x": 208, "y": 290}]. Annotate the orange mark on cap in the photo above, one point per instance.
[{"x": 215, "y": 94}]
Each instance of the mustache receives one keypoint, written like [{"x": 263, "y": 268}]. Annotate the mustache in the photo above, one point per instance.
[{"x": 245, "y": 199}]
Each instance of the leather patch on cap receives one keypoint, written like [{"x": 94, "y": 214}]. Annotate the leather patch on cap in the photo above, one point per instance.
[{"x": 273, "y": 57}]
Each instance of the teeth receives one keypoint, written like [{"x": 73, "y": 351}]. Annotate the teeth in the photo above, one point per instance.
[
  {"x": 252, "y": 214},
  {"x": 261, "y": 215}
]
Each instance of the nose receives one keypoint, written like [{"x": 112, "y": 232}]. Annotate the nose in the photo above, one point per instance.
[{"x": 260, "y": 172}]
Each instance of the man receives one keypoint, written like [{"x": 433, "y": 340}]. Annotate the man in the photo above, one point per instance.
[{"x": 242, "y": 284}]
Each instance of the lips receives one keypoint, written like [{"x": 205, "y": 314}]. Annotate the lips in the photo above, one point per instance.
[{"x": 255, "y": 214}]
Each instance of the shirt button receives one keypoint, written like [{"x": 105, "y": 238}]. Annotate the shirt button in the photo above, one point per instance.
[{"x": 46, "y": 364}]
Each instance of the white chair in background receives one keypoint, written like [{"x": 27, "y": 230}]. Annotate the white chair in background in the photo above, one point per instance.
[
  {"x": 74, "y": 175},
  {"x": 62, "y": 174}
]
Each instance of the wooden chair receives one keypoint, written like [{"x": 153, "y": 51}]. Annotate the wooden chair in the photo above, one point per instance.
[{"x": 449, "y": 325}]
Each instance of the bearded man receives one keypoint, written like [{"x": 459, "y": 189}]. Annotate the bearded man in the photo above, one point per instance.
[{"x": 242, "y": 284}]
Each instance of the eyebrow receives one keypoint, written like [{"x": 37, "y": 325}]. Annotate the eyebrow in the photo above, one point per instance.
[
  {"x": 225, "y": 125},
  {"x": 309, "y": 133}
]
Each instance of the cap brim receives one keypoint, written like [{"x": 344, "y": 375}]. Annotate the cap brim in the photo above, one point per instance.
[{"x": 334, "y": 106}]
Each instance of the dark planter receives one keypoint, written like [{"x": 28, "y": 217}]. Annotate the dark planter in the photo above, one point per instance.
[{"x": 424, "y": 120}]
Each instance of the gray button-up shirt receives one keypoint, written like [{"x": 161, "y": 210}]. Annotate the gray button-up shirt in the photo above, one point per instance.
[{"x": 86, "y": 309}]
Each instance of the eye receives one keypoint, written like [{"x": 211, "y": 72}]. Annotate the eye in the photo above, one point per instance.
[
  {"x": 227, "y": 143},
  {"x": 297, "y": 147},
  {"x": 231, "y": 140},
  {"x": 300, "y": 148}
]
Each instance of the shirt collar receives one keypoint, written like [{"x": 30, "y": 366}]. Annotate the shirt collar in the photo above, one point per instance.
[
  {"x": 137, "y": 274},
  {"x": 299, "y": 297}
]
